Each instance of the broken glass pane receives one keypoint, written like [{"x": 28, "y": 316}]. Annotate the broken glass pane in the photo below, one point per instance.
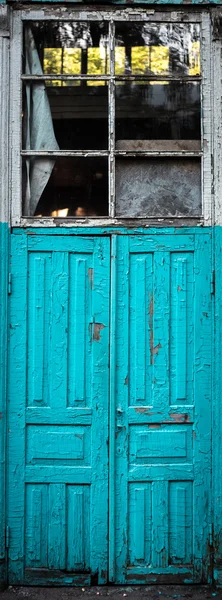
[
  {"x": 158, "y": 187},
  {"x": 157, "y": 49}
]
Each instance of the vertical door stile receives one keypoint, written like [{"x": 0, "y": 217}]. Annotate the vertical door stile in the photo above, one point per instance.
[
  {"x": 112, "y": 408},
  {"x": 17, "y": 392},
  {"x": 202, "y": 392},
  {"x": 100, "y": 399},
  {"x": 121, "y": 405}
]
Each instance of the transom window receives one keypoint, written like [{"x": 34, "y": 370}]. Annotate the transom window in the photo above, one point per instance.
[{"x": 111, "y": 117}]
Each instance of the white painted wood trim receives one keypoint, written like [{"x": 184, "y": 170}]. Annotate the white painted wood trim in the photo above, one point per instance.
[
  {"x": 16, "y": 118},
  {"x": 206, "y": 110},
  {"x": 4, "y": 117},
  {"x": 16, "y": 100},
  {"x": 217, "y": 129}
]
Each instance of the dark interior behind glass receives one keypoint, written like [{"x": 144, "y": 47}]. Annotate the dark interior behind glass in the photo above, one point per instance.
[{"x": 157, "y": 108}]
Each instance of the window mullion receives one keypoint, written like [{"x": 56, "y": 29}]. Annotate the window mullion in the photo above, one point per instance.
[{"x": 112, "y": 121}]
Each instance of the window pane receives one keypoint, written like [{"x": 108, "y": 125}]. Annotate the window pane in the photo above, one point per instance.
[
  {"x": 72, "y": 48},
  {"x": 158, "y": 187},
  {"x": 79, "y": 115},
  {"x": 77, "y": 186},
  {"x": 156, "y": 111},
  {"x": 157, "y": 48}
]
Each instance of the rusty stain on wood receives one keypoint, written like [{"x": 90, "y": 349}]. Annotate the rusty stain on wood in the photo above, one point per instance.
[
  {"x": 153, "y": 349},
  {"x": 97, "y": 327},
  {"x": 180, "y": 417},
  {"x": 156, "y": 348},
  {"x": 143, "y": 409},
  {"x": 91, "y": 277}
]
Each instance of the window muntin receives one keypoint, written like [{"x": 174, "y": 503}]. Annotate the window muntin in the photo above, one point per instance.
[{"x": 169, "y": 91}]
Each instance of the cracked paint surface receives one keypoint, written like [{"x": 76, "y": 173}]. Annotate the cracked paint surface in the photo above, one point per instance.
[
  {"x": 59, "y": 358},
  {"x": 162, "y": 291}
]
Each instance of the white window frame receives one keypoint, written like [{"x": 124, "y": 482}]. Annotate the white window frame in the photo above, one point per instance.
[{"x": 64, "y": 14}]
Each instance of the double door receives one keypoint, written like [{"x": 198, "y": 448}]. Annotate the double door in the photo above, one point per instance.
[{"x": 109, "y": 409}]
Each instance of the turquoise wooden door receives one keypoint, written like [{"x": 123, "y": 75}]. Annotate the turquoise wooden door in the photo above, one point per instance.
[
  {"x": 160, "y": 521},
  {"x": 146, "y": 324},
  {"x": 58, "y": 415}
]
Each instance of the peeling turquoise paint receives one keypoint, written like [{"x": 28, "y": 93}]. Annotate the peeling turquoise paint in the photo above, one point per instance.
[
  {"x": 58, "y": 414},
  {"x": 217, "y": 412},
  {"x": 163, "y": 395},
  {"x": 170, "y": 240},
  {"x": 4, "y": 238},
  {"x": 161, "y": 306}
]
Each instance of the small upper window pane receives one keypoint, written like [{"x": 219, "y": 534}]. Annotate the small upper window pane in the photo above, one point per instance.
[
  {"x": 72, "y": 48},
  {"x": 157, "y": 49}
]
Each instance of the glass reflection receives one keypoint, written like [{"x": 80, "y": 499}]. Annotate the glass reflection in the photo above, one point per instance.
[
  {"x": 157, "y": 49},
  {"x": 72, "y": 48},
  {"x": 157, "y": 111}
]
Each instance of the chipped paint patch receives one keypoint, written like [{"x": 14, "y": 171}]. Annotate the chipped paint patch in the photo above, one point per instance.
[
  {"x": 91, "y": 277},
  {"x": 142, "y": 409},
  {"x": 153, "y": 349},
  {"x": 97, "y": 327},
  {"x": 156, "y": 348},
  {"x": 180, "y": 417}
]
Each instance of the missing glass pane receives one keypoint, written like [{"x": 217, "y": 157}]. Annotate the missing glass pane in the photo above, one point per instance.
[
  {"x": 158, "y": 111},
  {"x": 74, "y": 187},
  {"x": 158, "y": 187},
  {"x": 72, "y": 48},
  {"x": 157, "y": 49}
]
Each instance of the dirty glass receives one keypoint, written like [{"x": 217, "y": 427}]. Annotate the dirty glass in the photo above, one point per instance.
[
  {"x": 156, "y": 111},
  {"x": 158, "y": 187},
  {"x": 83, "y": 127},
  {"x": 78, "y": 187},
  {"x": 79, "y": 115},
  {"x": 157, "y": 49},
  {"x": 72, "y": 47}
]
